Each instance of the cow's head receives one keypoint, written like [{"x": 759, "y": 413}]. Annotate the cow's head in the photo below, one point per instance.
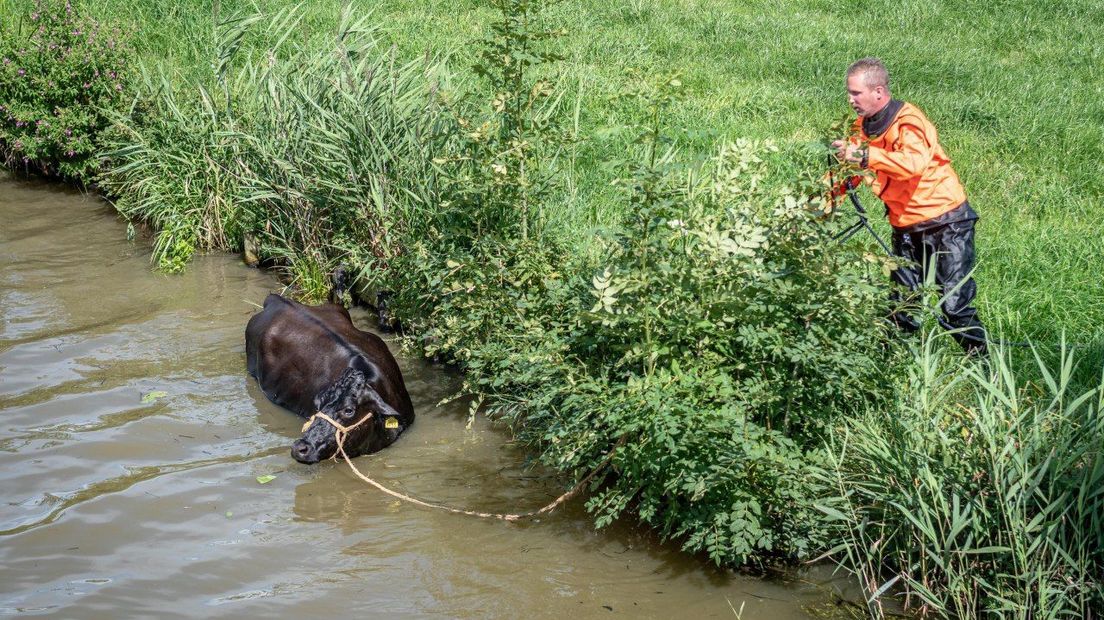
[{"x": 348, "y": 401}]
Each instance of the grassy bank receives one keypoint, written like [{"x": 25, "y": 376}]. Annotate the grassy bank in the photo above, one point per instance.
[
  {"x": 608, "y": 229},
  {"x": 1017, "y": 101}
]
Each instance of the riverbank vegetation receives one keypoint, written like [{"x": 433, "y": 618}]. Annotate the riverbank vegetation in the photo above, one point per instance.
[
  {"x": 609, "y": 218},
  {"x": 61, "y": 76},
  {"x": 979, "y": 489}
]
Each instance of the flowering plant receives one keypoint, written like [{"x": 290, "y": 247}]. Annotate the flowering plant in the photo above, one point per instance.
[{"x": 59, "y": 74}]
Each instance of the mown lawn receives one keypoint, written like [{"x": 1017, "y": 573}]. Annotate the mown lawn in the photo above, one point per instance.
[{"x": 1014, "y": 86}]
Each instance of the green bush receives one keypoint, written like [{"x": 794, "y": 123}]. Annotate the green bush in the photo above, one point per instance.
[
  {"x": 481, "y": 260},
  {"x": 726, "y": 334},
  {"x": 727, "y": 331},
  {"x": 60, "y": 75},
  {"x": 978, "y": 494}
]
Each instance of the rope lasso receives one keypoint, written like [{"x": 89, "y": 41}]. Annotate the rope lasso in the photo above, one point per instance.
[{"x": 341, "y": 431}]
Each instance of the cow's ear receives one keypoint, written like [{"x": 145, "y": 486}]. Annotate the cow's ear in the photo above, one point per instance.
[
  {"x": 370, "y": 370},
  {"x": 366, "y": 395},
  {"x": 363, "y": 365},
  {"x": 318, "y": 402}
]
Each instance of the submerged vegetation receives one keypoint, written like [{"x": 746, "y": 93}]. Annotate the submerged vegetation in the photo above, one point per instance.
[{"x": 675, "y": 302}]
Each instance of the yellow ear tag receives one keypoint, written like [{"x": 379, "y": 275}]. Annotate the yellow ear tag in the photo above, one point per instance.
[{"x": 391, "y": 423}]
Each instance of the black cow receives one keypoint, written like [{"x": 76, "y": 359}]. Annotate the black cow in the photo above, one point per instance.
[{"x": 311, "y": 359}]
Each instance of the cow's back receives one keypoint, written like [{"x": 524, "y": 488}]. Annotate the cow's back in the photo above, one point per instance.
[
  {"x": 387, "y": 377},
  {"x": 295, "y": 350}
]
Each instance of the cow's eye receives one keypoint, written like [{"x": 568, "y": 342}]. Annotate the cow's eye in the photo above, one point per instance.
[{"x": 348, "y": 411}]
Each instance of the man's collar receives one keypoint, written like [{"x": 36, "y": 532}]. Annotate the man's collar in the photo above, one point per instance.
[{"x": 876, "y": 124}]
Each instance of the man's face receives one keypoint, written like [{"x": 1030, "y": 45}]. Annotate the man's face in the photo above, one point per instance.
[{"x": 864, "y": 99}]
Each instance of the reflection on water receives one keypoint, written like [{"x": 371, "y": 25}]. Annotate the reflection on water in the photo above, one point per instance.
[{"x": 122, "y": 502}]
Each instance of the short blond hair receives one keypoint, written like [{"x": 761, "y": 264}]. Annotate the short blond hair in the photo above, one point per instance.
[{"x": 873, "y": 70}]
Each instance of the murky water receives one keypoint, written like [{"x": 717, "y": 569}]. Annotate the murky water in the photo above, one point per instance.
[{"x": 122, "y": 502}]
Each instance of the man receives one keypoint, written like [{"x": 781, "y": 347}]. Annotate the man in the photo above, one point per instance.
[{"x": 924, "y": 199}]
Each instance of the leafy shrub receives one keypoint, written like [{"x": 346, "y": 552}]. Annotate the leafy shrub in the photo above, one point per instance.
[
  {"x": 727, "y": 332},
  {"x": 740, "y": 275},
  {"x": 481, "y": 262},
  {"x": 730, "y": 329},
  {"x": 497, "y": 176},
  {"x": 59, "y": 74},
  {"x": 978, "y": 494}
]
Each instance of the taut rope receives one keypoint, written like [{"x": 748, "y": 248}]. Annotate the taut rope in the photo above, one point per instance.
[{"x": 341, "y": 431}]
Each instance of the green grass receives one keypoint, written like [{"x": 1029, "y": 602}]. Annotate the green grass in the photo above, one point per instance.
[{"x": 1013, "y": 86}]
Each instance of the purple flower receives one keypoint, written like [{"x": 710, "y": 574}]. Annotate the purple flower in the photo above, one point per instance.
[
  {"x": 68, "y": 132},
  {"x": 118, "y": 87},
  {"x": 22, "y": 72},
  {"x": 69, "y": 152}
]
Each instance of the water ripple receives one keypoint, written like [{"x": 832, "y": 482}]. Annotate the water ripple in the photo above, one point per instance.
[{"x": 134, "y": 476}]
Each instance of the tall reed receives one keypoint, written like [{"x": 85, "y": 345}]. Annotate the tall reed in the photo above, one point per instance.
[
  {"x": 320, "y": 154},
  {"x": 979, "y": 494}
]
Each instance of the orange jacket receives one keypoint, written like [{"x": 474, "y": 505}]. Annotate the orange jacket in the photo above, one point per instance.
[{"x": 913, "y": 176}]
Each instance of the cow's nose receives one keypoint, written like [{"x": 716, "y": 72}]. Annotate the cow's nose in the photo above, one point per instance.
[{"x": 301, "y": 451}]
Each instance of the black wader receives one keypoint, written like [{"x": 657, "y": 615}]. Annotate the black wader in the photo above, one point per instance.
[{"x": 950, "y": 238}]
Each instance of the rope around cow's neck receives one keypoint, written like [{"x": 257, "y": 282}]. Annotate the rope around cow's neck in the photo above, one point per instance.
[{"x": 341, "y": 431}]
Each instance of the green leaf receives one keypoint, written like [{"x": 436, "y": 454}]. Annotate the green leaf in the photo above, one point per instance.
[
  {"x": 153, "y": 396},
  {"x": 265, "y": 479}
]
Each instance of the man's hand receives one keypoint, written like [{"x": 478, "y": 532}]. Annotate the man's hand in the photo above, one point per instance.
[{"x": 847, "y": 151}]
